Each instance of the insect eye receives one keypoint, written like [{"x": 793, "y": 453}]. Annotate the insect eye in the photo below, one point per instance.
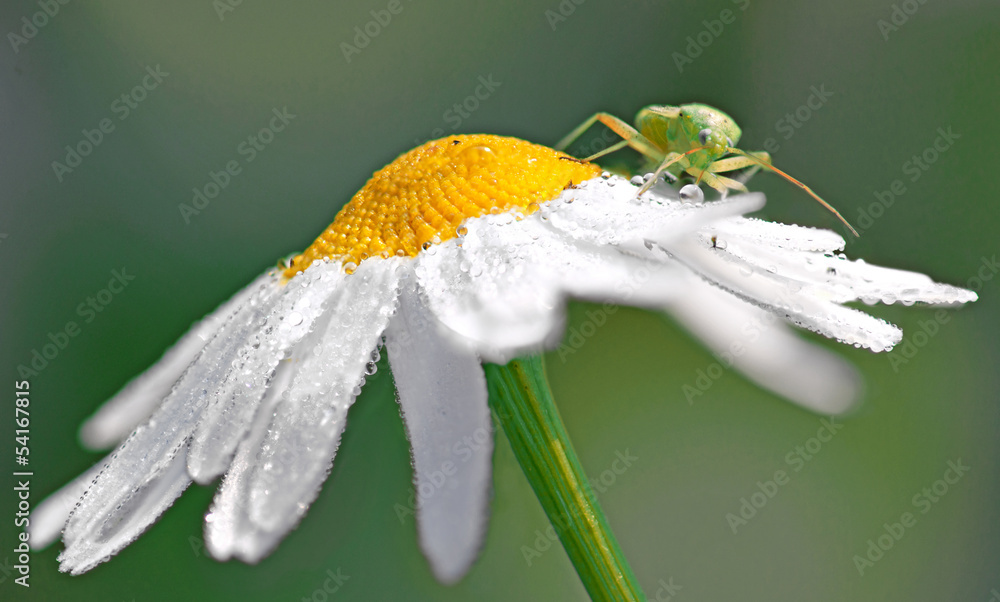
[{"x": 703, "y": 136}]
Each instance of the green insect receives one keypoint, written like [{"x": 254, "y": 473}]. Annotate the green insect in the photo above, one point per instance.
[{"x": 691, "y": 138}]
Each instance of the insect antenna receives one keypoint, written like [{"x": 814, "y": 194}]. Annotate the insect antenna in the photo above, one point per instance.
[{"x": 828, "y": 206}]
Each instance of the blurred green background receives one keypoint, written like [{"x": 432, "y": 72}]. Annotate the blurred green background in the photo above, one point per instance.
[{"x": 556, "y": 63}]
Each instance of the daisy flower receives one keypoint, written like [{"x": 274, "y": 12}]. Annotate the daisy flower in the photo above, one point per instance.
[{"x": 461, "y": 251}]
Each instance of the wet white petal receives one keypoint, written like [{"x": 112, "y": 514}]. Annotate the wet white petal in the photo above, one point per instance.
[
  {"x": 442, "y": 394},
  {"x": 779, "y": 236},
  {"x": 115, "y": 528},
  {"x": 49, "y": 517},
  {"x": 297, "y": 452},
  {"x": 118, "y": 416},
  {"x": 607, "y": 212},
  {"x": 503, "y": 285},
  {"x": 823, "y": 274},
  {"x": 141, "y": 480},
  {"x": 782, "y": 296},
  {"x": 228, "y": 415},
  {"x": 228, "y": 529},
  {"x": 765, "y": 349}
]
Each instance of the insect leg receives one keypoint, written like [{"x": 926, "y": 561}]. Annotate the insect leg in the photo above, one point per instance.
[
  {"x": 720, "y": 183},
  {"x": 610, "y": 149},
  {"x": 670, "y": 159},
  {"x": 734, "y": 163},
  {"x": 631, "y": 136}
]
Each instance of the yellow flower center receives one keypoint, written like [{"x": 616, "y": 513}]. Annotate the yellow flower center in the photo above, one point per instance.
[{"x": 423, "y": 196}]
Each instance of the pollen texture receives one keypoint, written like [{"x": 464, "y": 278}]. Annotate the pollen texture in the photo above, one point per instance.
[{"x": 423, "y": 196}]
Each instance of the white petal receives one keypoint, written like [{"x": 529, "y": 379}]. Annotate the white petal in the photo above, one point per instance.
[
  {"x": 765, "y": 349},
  {"x": 442, "y": 394},
  {"x": 783, "y": 296},
  {"x": 126, "y": 521},
  {"x": 227, "y": 417},
  {"x": 49, "y": 517},
  {"x": 503, "y": 287},
  {"x": 823, "y": 274},
  {"x": 780, "y": 236},
  {"x": 118, "y": 416},
  {"x": 141, "y": 479},
  {"x": 296, "y": 455},
  {"x": 607, "y": 212},
  {"x": 228, "y": 529}
]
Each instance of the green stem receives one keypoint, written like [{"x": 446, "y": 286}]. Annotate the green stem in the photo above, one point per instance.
[{"x": 521, "y": 399}]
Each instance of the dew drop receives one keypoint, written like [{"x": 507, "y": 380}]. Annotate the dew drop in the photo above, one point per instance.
[
  {"x": 636, "y": 181},
  {"x": 691, "y": 193}
]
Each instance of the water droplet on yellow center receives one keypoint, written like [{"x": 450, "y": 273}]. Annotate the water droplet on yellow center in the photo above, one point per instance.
[{"x": 422, "y": 197}]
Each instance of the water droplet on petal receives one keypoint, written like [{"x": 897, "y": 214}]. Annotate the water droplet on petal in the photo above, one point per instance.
[{"x": 691, "y": 193}]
